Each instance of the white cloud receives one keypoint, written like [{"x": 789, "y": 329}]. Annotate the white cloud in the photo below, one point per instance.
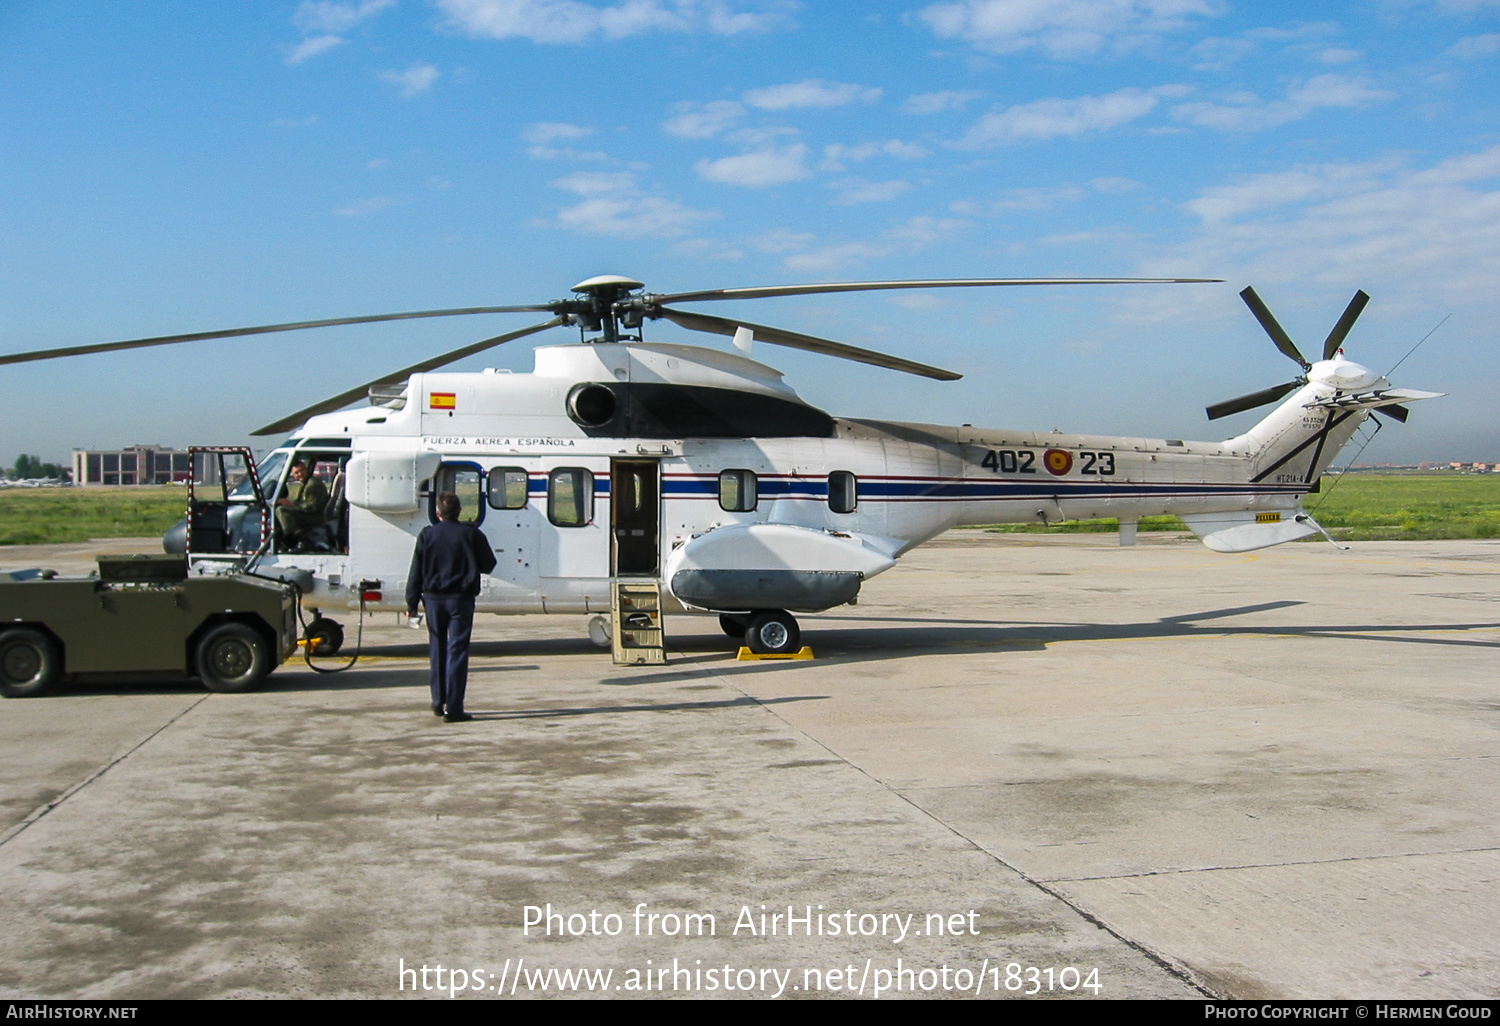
[
  {"x": 613, "y": 203},
  {"x": 1037, "y": 199},
  {"x": 1246, "y": 112},
  {"x": 937, "y": 103},
  {"x": 311, "y": 47},
  {"x": 920, "y": 232},
  {"x": 570, "y": 21},
  {"x": 1216, "y": 53},
  {"x": 1062, "y": 28},
  {"x": 373, "y": 205},
  {"x": 416, "y": 79},
  {"x": 326, "y": 20},
  {"x": 758, "y": 170},
  {"x": 544, "y": 132},
  {"x": 328, "y": 16},
  {"x": 812, "y": 92},
  {"x": 832, "y": 257},
  {"x": 1048, "y": 119},
  {"x": 1477, "y": 46},
  {"x": 1339, "y": 55},
  {"x": 1114, "y": 186},
  {"x": 1379, "y": 223},
  {"x": 1257, "y": 193},
  {"x": 703, "y": 121},
  {"x": 781, "y": 240},
  {"x": 909, "y": 237},
  {"x": 837, "y": 155},
  {"x": 854, "y": 191}
]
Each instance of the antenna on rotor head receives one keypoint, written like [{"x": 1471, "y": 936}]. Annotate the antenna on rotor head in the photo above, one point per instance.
[{"x": 607, "y": 306}]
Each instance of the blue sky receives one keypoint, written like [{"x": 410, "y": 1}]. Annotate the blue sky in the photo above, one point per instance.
[{"x": 173, "y": 167}]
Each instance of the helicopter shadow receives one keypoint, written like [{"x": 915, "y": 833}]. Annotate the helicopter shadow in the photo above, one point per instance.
[{"x": 850, "y": 643}]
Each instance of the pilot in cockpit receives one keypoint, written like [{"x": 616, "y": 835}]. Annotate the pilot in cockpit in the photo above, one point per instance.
[{"x": 302, "y": 503}]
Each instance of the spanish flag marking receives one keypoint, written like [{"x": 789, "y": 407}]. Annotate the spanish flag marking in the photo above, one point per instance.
[{"x": 442, "y": 400}]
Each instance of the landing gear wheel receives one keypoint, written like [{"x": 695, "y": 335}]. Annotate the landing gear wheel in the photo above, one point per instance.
[
  {"x": 29, "y": 663},
  {"x": 773, "y": 632},
  {"x": 232, "y": 658},
  {"x": 734, "y": 626},
  {"x": 324, "y": 637}
]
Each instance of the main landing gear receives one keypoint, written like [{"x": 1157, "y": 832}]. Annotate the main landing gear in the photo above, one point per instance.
[{"x": 765, "y": 631}]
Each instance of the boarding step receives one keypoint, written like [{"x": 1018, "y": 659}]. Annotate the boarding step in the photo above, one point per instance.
[{"x": 637, "y": 635}]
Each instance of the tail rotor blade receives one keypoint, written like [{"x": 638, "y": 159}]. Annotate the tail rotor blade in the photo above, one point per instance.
[
  {"x": 1396, "y": 413},
  {"x": 1341, "y": 329},
  {"x": 1278, "y": 334},
  {"x": 1254, "y": 399}
]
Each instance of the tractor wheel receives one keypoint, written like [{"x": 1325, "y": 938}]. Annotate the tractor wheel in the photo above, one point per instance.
[
  {"x": 29, "y": 663},
  {"x": 232, "y": 658}
]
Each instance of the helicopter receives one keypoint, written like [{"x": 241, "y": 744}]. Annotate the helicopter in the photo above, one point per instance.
[{"x": 703, "y": 471}]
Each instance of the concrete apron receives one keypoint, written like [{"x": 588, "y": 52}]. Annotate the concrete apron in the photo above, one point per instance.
[{"x": 1262, "y": 775}]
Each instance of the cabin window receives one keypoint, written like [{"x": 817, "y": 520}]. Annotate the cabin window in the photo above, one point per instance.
[
  {"x": 738, "y": 490},
  {"x": 843, "y": 491},
  {"x": 466, "y": 481},
  {"x": 508, "y": 487},
  {"x": 570, "y": 497}
]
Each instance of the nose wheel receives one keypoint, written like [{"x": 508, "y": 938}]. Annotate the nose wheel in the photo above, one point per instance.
[
  {"x": 324, "y": 637},
  {"x": 773, "y": 632}
]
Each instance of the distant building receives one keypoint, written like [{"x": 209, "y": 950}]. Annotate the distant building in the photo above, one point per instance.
[{"x": 138, "y": 464}]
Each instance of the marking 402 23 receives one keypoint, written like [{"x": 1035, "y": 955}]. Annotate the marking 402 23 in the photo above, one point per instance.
[{"x": 1056, "y": 461}]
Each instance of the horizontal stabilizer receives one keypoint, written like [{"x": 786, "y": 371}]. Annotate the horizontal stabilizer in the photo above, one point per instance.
[
  {"x": 1373, "y": 400},
  {"x": 1249, "y": 529}
]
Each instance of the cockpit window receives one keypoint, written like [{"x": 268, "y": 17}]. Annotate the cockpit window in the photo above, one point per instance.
[{"x": 269, "y": 473}]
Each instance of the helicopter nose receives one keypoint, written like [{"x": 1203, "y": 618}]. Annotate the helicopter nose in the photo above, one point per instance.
[{"x": 175, "y": 540}]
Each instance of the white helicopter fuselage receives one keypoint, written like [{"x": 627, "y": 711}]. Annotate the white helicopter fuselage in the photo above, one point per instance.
[{"x": 705, "y": 471}]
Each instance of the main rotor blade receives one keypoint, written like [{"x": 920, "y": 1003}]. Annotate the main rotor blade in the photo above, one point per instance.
[
  {"x": 1278, "y": 335},
  {"x": 345, "y": 398},
  {"x": 1396, "y": 413},
  {"x": 767, "y": 291},
  {"x": 1341, "y": 329},
  {"x": 811, "y": 343},
  {"x": 1254, "y": 399},
  {"x": 199, "y": 336}
]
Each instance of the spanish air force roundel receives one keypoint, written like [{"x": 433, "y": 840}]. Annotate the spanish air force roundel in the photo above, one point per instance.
[{"x": 1057, "y": 461}]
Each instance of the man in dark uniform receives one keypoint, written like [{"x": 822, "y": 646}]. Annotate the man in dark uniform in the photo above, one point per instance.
[
  {"x": 445, "y": 572},
  {"x": 302, "y": 503}
]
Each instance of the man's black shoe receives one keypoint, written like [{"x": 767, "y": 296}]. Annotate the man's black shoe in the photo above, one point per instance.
[
  {"x": 437, "y": 708},
  {"x": 457, "y": 717}
]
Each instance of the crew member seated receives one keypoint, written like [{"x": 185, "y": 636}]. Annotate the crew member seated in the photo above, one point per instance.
[{"x": 301, "y": 505}]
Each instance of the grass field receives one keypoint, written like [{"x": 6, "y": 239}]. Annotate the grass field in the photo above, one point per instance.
[
  {"x": 48, "y": 516},
  {"x": 1367, "y": 507},
  {"x": 1360, "y": 507}
]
